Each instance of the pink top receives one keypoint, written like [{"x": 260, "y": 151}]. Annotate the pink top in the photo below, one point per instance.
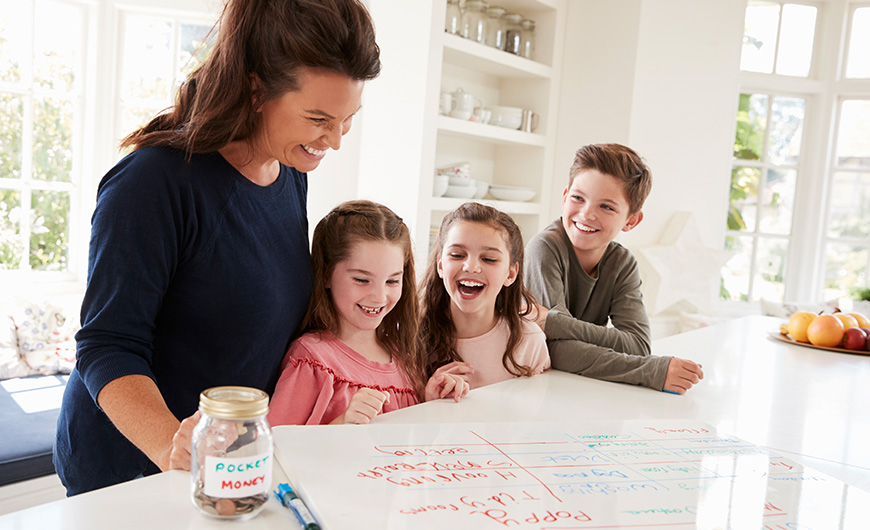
[
  {"x": 486, "y": 351},
  {"x": 320, "y": 374}
]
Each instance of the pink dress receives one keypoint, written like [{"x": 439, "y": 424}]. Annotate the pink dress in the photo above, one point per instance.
[
  {"x": 319, "y": 376},
  {"x": 485, "y": 353}
]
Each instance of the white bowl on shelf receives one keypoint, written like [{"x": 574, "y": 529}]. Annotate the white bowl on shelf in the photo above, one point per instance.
[
  {"x": 460, "y": 181},
  {"x": 460, "y": 192},
  {"x": 507, "y": 117},
  {"x": 481, "y": 189},
  {"x": 511, "y": 193},
  {"x": 439, "y": 185}
]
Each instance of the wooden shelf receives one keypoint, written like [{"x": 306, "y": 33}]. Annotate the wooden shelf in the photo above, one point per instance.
[
  {"x": 485, "y": 59},
  {"x": 489, "y": 133}
]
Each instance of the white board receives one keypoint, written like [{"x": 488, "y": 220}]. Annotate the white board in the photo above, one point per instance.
[{"x": 557, "y": 475}]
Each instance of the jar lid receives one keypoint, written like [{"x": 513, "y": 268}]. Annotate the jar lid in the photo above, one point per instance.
[
  {"x": 234, "y": 402},
  {"x": 528, "y": 24},
  {"x": 496, "y": 11},
  {"x": 477, "y": 5},
  {"x": 514, "y": 17}
]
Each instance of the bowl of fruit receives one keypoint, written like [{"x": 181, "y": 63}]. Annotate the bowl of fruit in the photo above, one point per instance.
[{"x": 839, "y": 331}]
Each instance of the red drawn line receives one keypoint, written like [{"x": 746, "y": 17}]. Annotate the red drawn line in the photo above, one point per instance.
[{"x": 519, "y": 466}]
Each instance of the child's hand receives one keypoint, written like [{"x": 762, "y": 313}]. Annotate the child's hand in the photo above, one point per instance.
[
  {"x": 445, "y": 385},
  {"x": 539, "y": 315},
  {"x": 456, "y": 368},
  {"x": 364, "y": 405},
  {"x": 682, "y": 375}
]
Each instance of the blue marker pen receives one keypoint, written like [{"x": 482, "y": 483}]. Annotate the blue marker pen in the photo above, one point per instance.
[
  {"x": 288, "y": 499},
  {"x": 670, "y": 391}
]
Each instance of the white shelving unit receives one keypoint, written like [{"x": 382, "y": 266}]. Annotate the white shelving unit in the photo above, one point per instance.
[{"x": 496, "y": 155}]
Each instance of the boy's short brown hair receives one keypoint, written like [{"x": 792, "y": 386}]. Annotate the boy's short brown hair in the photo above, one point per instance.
[{"x": 620, "y": 162}]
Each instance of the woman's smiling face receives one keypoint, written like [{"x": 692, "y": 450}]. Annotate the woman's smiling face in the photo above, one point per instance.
[{"x": 298, "y": 127}]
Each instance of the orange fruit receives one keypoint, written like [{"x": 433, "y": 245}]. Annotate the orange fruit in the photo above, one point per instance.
[
  {"x": 847, "y": 320},
  {"x": 798, "y": 323},
  {"x": 826, "y": 330},
  {"x": 863, "y": 322}
]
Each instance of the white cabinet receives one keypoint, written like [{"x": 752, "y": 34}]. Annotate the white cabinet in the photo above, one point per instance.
[{"x": 496, "y": 155}]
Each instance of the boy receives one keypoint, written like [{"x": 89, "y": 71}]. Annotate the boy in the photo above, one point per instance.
[{"x": 583, "y": 277}]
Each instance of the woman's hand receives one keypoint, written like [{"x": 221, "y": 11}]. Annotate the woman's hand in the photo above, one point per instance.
[
  {"x": 364, "y": 405},
  {"x": 682, "y": 375},
  {"x": 445, "y": 384},
  {"x": 179, "y": 454}
]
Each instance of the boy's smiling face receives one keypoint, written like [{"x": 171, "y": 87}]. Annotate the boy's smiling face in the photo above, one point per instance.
[{"x": 594, "y": 211}]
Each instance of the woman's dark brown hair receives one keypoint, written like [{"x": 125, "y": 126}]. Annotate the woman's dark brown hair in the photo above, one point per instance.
[
  {"x": 334, "y": 239},
  {"x": 513, "y": 303},
  {"x": 269, "y": 40}
]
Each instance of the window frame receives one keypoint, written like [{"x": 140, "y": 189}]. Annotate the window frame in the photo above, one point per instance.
[
  {"x": 95, "y": 144},
  {"x": 823, "y": 89}
]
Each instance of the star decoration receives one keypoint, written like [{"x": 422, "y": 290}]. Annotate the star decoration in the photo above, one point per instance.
[{"x": 680, "y": 270}]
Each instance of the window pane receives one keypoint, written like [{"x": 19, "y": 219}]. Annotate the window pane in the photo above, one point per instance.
[
  {"x": 52, "y": 139},
  {"x": 147, "y": 59},
  {"x": 14, "y": 49},
  {"x": 735, "y": 274},
  {"x": 786, "y": 129},
  {"x": 11, "y": 248},
  {"x": 751, "y": 122},
  {"x": 49, "y": 230},
  {"x": 853, "y": 136},
  {"x": 796, "y": 40},
  {"x": 846, "y": 268},
  {"x": 778, "y": 201},
  {"x": 850, "y": 205},
  {"x": 770, "y": 269},
  {"x": 11, "y": 125},
  {"x": 58, "y": 46},
  {"x": 744, "y": 198},
  {"x": 191, "y": 52},
  {"x": 759, "y": 36},
  {"x": 858, "y": 62}
]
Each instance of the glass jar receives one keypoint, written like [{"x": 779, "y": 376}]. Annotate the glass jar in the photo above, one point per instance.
[
  {"x": 474, "y": 21},
  {"x": 527, "y": 49},
  {"x": 453, "y": 20},
  {"x": 495, "y": 27},
  {"x": 231, "y": 453},
  {"x": 513, "y": 33}
]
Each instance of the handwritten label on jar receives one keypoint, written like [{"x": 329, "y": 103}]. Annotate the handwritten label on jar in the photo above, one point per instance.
[{"x": 237, "y": 477}]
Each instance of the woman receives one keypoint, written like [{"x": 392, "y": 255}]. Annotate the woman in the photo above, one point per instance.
[{"x": 199, "y": 270}]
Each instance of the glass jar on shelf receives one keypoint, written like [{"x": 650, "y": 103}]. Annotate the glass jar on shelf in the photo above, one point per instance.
[
  {"x": 495, "y": 27},
  {"x": 527, "y": 49},
  {"x": 513, "y": 33},
  {"x": 453, "y": 20},
  {"x": 474, "y": 21}
]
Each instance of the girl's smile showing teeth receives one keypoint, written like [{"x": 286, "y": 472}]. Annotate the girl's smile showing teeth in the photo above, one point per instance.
[
  {"x": 371, "y": 310},
  {"x": 470, "y": 287}
]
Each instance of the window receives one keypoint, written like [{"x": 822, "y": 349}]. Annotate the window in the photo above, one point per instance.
[
  {"x": 158, "y": 54},
  {"x": 847, "y": 248},
  {"x": 59, "y": 65},
  {"x": 799, "y": 216},
  {"x": 43, "y": 67},
  {"x": 763, "y": 180}
]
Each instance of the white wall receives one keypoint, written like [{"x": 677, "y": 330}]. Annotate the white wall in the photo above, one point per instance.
[{"x": 660, "y": 76}]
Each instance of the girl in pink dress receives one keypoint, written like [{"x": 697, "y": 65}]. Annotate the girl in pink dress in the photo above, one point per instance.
[
  {"x": 477, "y": 315},
  {"x": 358, "y": 355}
]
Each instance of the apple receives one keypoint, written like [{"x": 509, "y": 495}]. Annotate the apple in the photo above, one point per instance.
[
  {"x": 867, "y": 344},
  {"x": 855, "y": 339}
]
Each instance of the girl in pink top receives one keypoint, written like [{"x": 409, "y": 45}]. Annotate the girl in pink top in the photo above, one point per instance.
[
  {"x": 358, "y": 355},
  {"x": 476, "y": 318}
]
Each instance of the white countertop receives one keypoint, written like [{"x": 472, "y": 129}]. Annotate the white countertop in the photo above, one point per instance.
[{"x": 811, "y": 405}]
